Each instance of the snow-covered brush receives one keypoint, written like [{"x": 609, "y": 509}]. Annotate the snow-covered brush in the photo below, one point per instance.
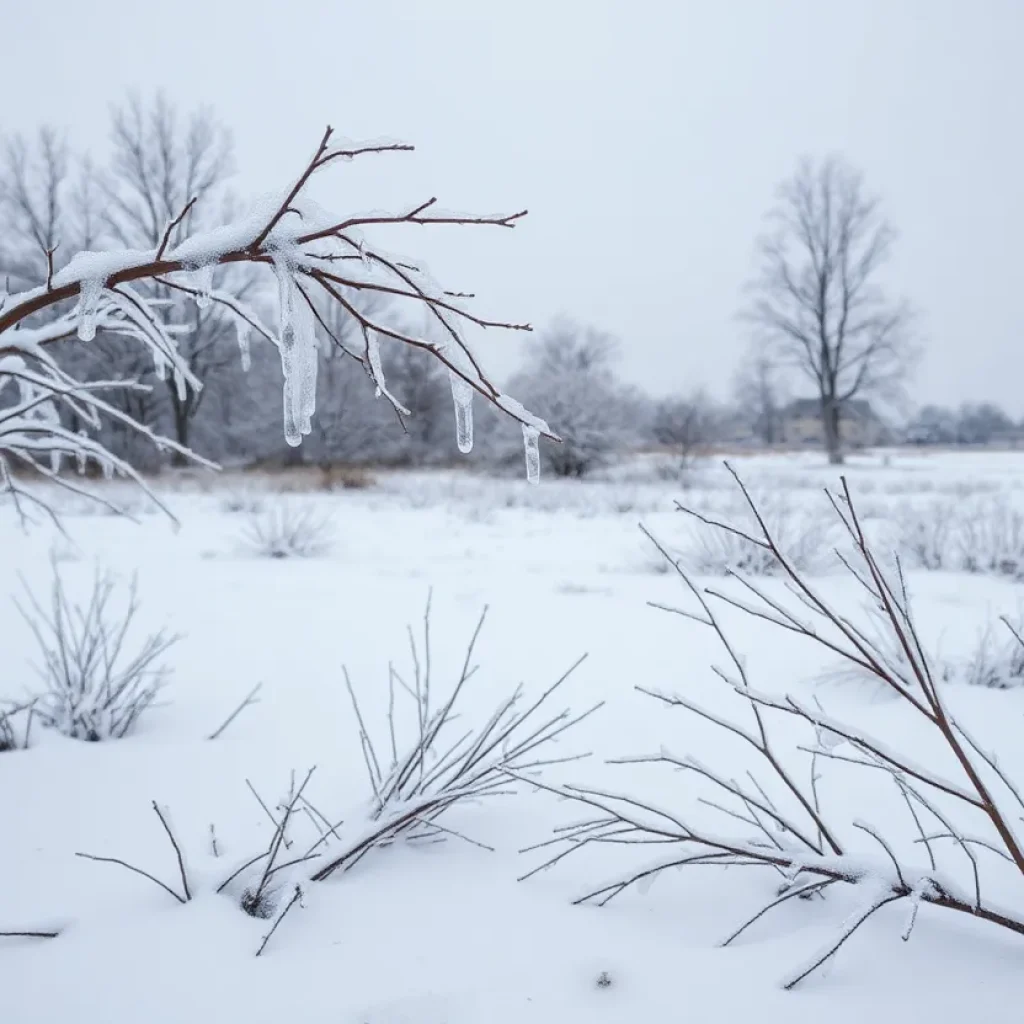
[
  {"x": 967, "y": 808},
  {"x": 446, "y": 762},
  {"x": 926, "y": 535},
  {"x": 719, "y": 550},
  {"x": 991, "y": 539},
  {"x": 16, "y": 726},
  {"x": 316, "y": 258},
  {"x": 998, "y": 661},
  {"x": 288, "y": 530},
  {"x": 95, "y": 687}
]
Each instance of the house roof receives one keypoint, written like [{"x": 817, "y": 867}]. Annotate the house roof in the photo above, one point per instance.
[{"x": 855, "y": 408}]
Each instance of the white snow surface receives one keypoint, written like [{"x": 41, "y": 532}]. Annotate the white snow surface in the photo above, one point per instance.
[{"x": 444, "y": 934}]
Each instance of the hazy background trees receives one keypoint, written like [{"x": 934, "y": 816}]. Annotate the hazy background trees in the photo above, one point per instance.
[
  {"x": 821, "y": 324},
  {"x": 569, "y": 372}
]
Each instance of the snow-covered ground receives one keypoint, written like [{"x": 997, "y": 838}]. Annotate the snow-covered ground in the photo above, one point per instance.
[{"x": 444, "y": 933}]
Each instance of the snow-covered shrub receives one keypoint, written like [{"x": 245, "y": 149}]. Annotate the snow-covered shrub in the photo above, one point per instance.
[
  {"x": 417, "y": 774},
  {"x": 991, "y": 539},
  {"x": 247, "y": 502},
  {"x": 715, "y": 552},
  {"x": 95, "y": 687},
  {"x": 16, "y": 726},
  {"x": 289, "y": 530},
  {"x": 926, "y": 535},
  {"x": 752, "y": 803},
  {"x": 998, "y": 660}
]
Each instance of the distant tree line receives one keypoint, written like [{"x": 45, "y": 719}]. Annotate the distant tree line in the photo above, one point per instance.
[{"x": 820, "y": 324}]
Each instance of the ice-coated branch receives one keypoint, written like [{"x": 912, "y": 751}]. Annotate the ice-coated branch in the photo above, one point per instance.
[
  {"x": 969, "y": 804},
  {"x": 314, "y": 256}
]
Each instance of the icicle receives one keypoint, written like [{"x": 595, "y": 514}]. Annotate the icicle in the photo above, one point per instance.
[
  {"x": 55, "y": 460},
  {"x": 81, "y": 458},
  {"x": 299, "y": 357},
  {"x": 531, "y": 442},
  {"x": 462, "y": 396},
  {"x": 108, "y": 469},
  {"x": 376, "y": 369},
  {"x": 88, "y": 300},
  {"x": 242, "y": 334},
  {"x": 203, "y": 280}
]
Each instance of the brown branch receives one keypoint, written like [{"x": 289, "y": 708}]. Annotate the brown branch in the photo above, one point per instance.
[
  {"x": 162, "y": 248},
  {"x": 249, "y": 699},
  {"x": 177, "y": 852}
]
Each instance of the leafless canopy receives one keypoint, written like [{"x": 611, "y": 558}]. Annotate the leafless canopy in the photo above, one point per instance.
[{"x": 816, "y": 298}]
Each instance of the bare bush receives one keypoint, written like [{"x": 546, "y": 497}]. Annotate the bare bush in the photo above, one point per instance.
[
  {"x": 95, "y": 687},
  {"x": 998, "y": 661},
  {"x": 721, "y": 552},
  {"x": 289, "y": 530},
  {"x": 926, "y": 535},
  {"x": 415, "y": 783},
  {"x": 243, "y": 501},
  {"x": 779, "y": 819},
  {"x": 16, "y": 726},
  {"x": 992, "y": 540},
  {"x": 986, "y": 537}
]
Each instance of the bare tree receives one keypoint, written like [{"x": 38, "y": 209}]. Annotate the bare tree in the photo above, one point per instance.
[
  {"x": 816, "y": 298},
  {"x": 760, "y": 395},
  {"x": 684, "y": 425},
  {"x": 164, "y": 165},
  {"x": 49, "y": 208}
]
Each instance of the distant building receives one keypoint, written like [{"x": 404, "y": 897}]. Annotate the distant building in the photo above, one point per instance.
[{"x": 860, "y": 426}]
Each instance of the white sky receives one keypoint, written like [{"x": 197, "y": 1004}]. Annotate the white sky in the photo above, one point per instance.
[{"x": 645, "y": 136}]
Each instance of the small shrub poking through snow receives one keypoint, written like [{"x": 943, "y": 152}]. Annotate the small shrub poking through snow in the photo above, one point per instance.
[
  {"x": 16, "y": 726},
  {"x": 289, "y": 531},
  {"x": 925, "y": 535},
  {"x": 247, "y": 502},
  {"x": 998, "y": 661},
  {"x": 992, "y": 540},
  {"x": 715, "y": 552},
  {"x": 95, "y": 687}
]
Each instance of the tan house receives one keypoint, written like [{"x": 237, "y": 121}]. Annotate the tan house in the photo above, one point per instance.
[{"x": 860, "y": 425}]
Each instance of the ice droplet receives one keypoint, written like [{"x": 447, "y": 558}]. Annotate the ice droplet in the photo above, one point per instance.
[
  {"x": 204, "y": 285},
  {"x": 88, "y": 300}
]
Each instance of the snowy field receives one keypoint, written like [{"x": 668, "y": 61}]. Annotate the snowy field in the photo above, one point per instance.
[{"x": 443, "y": 932}]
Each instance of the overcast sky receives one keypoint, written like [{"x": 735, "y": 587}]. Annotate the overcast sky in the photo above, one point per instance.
[{"x": 645, "y": 136}]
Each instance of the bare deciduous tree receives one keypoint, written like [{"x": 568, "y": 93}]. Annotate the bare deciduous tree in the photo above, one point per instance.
[
  {"x": 760, "y": 395},
  {"x": 164, "y": 165},
  {"x": 684, "y": 425},
  {"x": 817, "y": 300}
]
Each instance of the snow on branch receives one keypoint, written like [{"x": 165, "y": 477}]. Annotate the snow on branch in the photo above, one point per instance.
[
  {"x": 317, "y": 258},
  {"x": 777, "y": 818}
]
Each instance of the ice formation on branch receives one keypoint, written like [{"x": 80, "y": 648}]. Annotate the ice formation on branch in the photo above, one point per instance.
[{"x": 315, "y": 256}]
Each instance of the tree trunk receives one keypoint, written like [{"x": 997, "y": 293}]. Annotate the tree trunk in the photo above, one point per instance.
[
  {"x": 833, "y": 435},
  {"x": 182, "y": 422}
]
